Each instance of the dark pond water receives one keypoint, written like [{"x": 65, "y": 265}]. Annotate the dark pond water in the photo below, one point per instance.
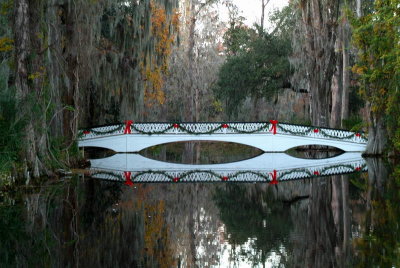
[{"x": 335, "y": 221}]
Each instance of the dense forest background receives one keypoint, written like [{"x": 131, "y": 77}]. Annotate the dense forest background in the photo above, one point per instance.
[{"x": 66, "y": 65}]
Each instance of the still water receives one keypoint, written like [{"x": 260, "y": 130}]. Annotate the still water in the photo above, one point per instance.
[{"x": 347, "y": 220}]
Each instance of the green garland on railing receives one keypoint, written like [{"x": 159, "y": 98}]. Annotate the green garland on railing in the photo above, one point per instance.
[
  {"x": 265, "y": 126},
  {"x": 152, "y": 132},
  {"x": 181, "y": 177},
  {"x": 309, "y": 129},
  {"x": 317, "y": 173},
  {"x": 221, "y": 126},
  {"x": 332, "y": 136},
  {"x": 318, "y": 130},
  {"x": 265, "y": 176},
  {"x": 97, "y": 132},
  {"x": 111, "y": 174},
  {"x": 175, "y": 126}
]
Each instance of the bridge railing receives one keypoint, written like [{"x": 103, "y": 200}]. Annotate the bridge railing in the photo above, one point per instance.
[
  {"x": 272, "y": 127},
  {"x": 274, "y": 176}
]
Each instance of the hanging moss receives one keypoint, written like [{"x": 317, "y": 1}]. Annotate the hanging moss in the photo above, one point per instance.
[{"x": 80, "y": 63}]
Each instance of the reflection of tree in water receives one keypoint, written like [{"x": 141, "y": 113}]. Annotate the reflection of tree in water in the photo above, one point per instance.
[
  {"x": 77, "y": 223},
  {"x": 307, "y": 223},
  {"x": 248, "y": 217},
  {"x": 379, "y": 242},
  {"x": 18, "y": 247}
]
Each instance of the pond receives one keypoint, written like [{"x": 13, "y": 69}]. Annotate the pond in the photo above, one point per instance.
[{"x": 343, "y": 220}]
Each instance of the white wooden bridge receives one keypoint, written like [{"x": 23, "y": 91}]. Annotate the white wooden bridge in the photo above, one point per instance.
[
  {"x": 267, "y": 167},
  {"x": 268, "y": 136}
]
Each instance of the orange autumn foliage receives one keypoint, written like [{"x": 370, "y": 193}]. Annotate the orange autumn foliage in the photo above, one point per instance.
[
  {"x": 156, "y": 232},
  {"x": 153, "y": 73}
]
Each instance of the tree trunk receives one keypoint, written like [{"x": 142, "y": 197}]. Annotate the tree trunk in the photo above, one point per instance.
[
  {"x": 263, "y": 4},
  {"x": 190, "y": 91},
  {"x": 320, "y": 26},
  {"x": 197, "y": 100},
  {"x": 346, "y": 69},
  {"x": 256, "y": 107},
  {"x": 22, "y": 50},
  {"x": 358, "y": 8},
  {"x": 336, "y": 96},
  {"x": 70, "y": 94},
  {"x": 37, "y": 84},
  {"x": 377, "y": 135}
]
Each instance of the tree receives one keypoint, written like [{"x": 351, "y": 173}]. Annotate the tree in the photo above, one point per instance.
[
  {"x": 376, "y": 36},
  {"x": 73, "y": 68},
  {"x": 257, "y": 64},
  {"x": 190, "y": 76},
  {"x": 318, "y": 22}
]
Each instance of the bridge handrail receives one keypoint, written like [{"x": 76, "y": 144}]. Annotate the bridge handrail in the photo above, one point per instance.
[{"x": 272, "y": 127}]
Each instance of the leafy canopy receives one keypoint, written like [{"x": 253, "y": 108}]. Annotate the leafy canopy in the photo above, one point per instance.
[
  {"x": 257, "y": 62},
  {"x": 377, "y": 37}
]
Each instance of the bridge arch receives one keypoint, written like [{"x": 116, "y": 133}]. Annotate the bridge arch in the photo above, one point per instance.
[{"x": 264, "y": 142}]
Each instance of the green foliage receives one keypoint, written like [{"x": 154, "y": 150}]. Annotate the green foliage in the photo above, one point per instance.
[
  {"x": 257, "y": 64},
  {"x": 354, "y": 123},
  {"x": 376, "y": 35},
  {"x": 356, "y": 102},
  {"x": 236, "y": 39},
  {"x": 10, "y": 128}
]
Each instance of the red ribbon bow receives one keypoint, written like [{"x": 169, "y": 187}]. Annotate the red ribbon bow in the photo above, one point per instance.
[
  {"x": 316, "y": 173},
  {"x": 224, "y": 125},
  {"x": 176, "y": 179},
  {"x": 225, "y": 178},
  {"x": 128, "y": 124},
  {"x": 273, "y": 127},
  {"x": 128, "y": 180},
  {"x": 176, "y": 125},
  {"x": 358, "y": 135},
  {"x": 274, "y": 177},
  {"x": 316, "y": 130},
  {"x": 86, "y": 132}
]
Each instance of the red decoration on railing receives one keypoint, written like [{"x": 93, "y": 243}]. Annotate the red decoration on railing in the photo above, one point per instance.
[
  {"x": 176, "y": 179},
  {"x": 316, "y": 130},
  {"x": 224, "y": 125},
  {"x": 128, "y": 125},
  {"x": 316, "y": 173},
  {"x": 176, "y": 125},
  {"x": 86, "y": 132},
  {"x": 273, "y": 127},
  {"x": 128, "y": 180},
  {"x": 274, "y": 177},
  {"x": 358, "y": 168},
  {"x": 225, "y": 178},
  {"x": 358, "y": 135}
]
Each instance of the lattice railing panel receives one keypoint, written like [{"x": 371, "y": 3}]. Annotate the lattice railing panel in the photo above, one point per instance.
[
  {"x": 232, "y": 176},
  {"x": 222, "y": 128}
]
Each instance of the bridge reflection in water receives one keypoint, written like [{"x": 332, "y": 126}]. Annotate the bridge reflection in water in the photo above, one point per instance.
[{"x": 269, "y": 167}]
